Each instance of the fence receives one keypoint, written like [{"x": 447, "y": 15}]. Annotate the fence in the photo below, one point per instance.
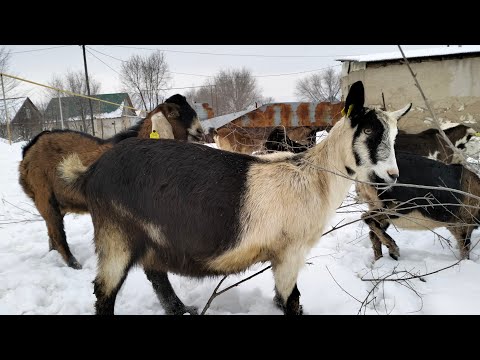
[{"x": 20, "y": 119}]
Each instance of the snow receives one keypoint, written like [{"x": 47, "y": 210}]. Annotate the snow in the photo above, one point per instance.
[
  {"x": 117, "y": 113},
  {"x": 320, "y": 135},
  {"x": 419, "y": 53},
  {"x": 34, "y": 280},
  {"x": 113, "y": 114}
]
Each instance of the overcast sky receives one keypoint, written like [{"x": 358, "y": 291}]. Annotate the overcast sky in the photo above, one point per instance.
[{"x": 39, "y": 66}]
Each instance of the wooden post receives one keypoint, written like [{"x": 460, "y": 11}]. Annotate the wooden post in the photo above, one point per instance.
[
  {"x": 60, "y": 105},
  {"x": 6, "y": 113}
]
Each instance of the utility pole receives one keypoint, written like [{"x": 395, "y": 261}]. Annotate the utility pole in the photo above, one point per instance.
[
  {"x": 211, "y": 94},
  {"x": 88, "y": 89},
  {"x": 216, "y": 101},
  {"x": 60, "y": 106},
  {"x": 6, "y": 113}
]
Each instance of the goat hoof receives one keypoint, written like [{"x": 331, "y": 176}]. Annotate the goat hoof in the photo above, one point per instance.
[
  {"x": 277, "y": 301},
  {"x": 192, "y": 310},
  {"x": 297, "y": 311},
  {"x": 74, "y": 264}
]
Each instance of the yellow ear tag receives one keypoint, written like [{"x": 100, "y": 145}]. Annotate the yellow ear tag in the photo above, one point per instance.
[
  {"x": 350, "y": 108},
  {"x": 154, "y": 135},
  {"x": 477, "y": 134}
]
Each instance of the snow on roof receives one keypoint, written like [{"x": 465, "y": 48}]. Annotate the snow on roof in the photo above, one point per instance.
[
  {"x": 419, "y": 53},
  {"x": 106, "y": 115},
  {"x": 219, "y": 121},
  {"x": 13, "y": 105}
]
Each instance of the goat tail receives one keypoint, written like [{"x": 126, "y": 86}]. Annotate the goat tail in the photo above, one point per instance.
[{"x": 70, "y": 170}]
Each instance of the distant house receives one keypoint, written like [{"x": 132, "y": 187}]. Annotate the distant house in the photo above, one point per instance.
[
  {"x": 25, "y": 119},
  {"x": 449, "y": 76},
  {"x": 109, "y": 118}
]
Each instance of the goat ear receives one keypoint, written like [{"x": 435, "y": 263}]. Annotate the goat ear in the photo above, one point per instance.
[
  {"x": 355, "y": 100},
  {"x": 173, "y": 114},
  {"x": 400, "y": 113}
]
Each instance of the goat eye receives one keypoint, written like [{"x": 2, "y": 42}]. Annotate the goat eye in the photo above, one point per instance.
[{"x": 367, "y": 131}]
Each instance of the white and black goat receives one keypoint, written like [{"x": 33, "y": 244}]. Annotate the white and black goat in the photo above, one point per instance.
[
  {"x": 417, "y": 208},
  {"x": 197, "y": 211},
  {"x": 431, "y": 144}
]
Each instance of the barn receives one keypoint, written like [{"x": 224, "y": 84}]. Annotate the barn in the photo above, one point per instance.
[{"x": 449, "y": 76}]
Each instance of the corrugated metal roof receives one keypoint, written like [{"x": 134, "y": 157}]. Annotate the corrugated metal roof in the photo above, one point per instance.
[
  {"x": 292, "y": 114},
  {"x": 289, "y": 114},
  {"x": 13, "y": 105},
  {"x": 219, "y": 121},
  {"x": 419, "y": 53}
]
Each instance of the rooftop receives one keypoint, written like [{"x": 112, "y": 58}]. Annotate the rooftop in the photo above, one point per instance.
[{"x": 419, "y": 53}]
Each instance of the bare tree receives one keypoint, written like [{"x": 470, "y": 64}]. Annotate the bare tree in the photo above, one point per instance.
[
  {"x": 9, "y": 83},
  {"x": 324, "y": 86},
  {"x": 229, "y": 91},
  {"x": 73, "y": 81},
  {"x": 146, "y": 78}
]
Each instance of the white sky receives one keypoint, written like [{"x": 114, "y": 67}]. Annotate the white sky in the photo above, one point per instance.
[{"x": 39, "y": 66}]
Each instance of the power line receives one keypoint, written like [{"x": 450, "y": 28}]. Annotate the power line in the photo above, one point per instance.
[
  {"x": 26, "y": 51},
  {"x": 187, "y": 87},
  {"x": 96, "y": 57},
  {"x": 66, "y": 91},
  {"x": 113, "y": 57},
  {"x": 267, "y": 75},
  {"x": 300, "y": 72},
  {"x": 230, "y": 54},
  {"x": 172, "y": 88},
  {"x": 173, "y": 72},
  {"x": 181, "y": 73}
]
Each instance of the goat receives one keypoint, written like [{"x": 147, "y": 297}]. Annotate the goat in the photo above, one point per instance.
[
  {"x": 420, "y": 209},
  {"x": 279, "y": 141},
  {"x": 41, "y": 156},
  {"x": 235, "y": 140},
  {"x": 305, "y": 135},
  {"x": 430, "y": 143},
  {"x": 198, "y": 211}
]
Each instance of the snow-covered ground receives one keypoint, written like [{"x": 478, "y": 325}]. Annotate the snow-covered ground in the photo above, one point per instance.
[{"x": 34, "y": 280}]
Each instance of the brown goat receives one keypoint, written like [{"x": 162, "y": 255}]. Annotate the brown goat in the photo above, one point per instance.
[
  {"x": 235, "y": 141},
  {"x": 305, "y": 135},
  {"x": 278, "y": 140},
  {"x": 41, "y": 156},
  {"x": 241, "y": 141}
]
